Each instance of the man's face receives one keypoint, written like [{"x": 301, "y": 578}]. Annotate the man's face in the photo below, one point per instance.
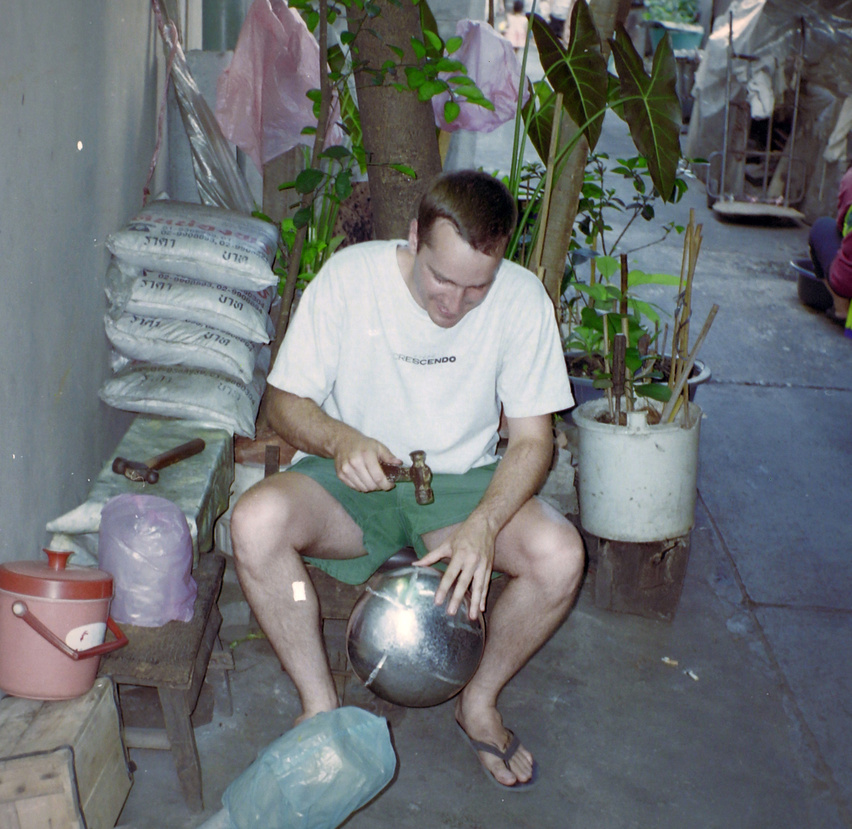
[{"x": 449, "y": 278}]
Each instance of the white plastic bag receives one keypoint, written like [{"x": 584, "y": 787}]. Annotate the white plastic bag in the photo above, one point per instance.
[
  {"x": 178, "y": 343},
  {"x": 144, "y": 543},
  {"x": 169, "y": 296},
  {"x": 205, "y": 397},
  {"x": 316, "y": 775},
  {"x": 208, "y": 243}
]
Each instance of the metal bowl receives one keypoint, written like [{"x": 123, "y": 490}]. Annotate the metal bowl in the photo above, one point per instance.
[{"x": 405, "y": 648}]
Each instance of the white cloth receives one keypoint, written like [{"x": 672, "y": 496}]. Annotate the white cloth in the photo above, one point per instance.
[{"x": 363, "y": 349}]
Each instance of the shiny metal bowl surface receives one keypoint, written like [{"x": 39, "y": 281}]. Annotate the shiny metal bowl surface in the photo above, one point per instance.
[{"x": 405, "y": 648}]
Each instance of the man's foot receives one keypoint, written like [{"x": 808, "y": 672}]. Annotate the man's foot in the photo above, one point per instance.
[{"x": 502, "y": 756}]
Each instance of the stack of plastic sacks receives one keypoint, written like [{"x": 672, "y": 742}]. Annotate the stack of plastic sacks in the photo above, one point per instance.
[{"x": 189, "y": 290}]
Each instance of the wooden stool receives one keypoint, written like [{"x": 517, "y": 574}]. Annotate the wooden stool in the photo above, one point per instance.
[{"x": 174, "y": 659}]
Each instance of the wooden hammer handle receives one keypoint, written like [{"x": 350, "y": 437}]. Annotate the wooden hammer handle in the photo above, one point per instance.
[{"x": 179, "y": 453}]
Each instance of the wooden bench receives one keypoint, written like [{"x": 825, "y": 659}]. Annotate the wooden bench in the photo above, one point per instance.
[
  {"x": 200, "y": 486},
  {"x": 174, "y": 659}
]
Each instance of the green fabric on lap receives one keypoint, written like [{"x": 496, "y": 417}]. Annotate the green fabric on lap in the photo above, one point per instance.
[{"x": 394, "y": 519}]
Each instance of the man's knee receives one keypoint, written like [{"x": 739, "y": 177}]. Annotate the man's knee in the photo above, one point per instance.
[
  {"x": 257, "y": 518},
  {"x": 550, "y": 549},
  {"x": 560, "y": 558}
]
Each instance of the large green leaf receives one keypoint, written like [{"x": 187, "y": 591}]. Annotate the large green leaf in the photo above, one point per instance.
[
  {"x": 578, "y": 71},
  {"x": 651, "y": 108},
  {"x": 537, "y": 114}
]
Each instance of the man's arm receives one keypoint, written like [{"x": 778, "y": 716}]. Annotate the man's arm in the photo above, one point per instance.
[
  {"x": 306, "y": 426},
  {"x": 470, "y": 549}
]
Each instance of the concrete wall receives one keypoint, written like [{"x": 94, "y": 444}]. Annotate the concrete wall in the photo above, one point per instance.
[{"x": 78, "y": 103}]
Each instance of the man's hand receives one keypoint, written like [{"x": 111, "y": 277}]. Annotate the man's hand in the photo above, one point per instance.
[
  {"x": 357, "y": 460},
  {"x": 470, "y": 548},
  {"x": 469, "y": 552},
  {"x": 303, "y": 424}
]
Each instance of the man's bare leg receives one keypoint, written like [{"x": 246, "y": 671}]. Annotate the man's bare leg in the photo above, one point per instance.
[
  {"x": 542, "y": 554},
  {"x": 273, "y": 524}
]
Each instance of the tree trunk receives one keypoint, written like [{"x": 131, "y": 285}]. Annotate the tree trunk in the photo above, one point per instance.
[
  {"x": 397, "y": 128},
  {"x": 565, "y": 195}
]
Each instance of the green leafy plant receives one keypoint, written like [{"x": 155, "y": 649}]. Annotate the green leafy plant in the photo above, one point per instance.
[
  {"x": 610, "y": 309},
  {"x": 588, "y": 305},
  {"x": 675, "y": 11},
  {"x": 307, "y": 238},
  {"x": 578, "y": 84}
]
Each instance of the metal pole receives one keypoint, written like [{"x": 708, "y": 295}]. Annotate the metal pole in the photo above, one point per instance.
[
  {"x": 800, "y": 59},
  {"x": 727, "y": 103}
]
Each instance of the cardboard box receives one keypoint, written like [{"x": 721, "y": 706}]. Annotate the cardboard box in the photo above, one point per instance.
[{"x": 63, "y": 761}]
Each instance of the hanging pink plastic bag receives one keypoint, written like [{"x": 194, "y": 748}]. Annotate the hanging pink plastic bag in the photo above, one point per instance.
[
  {"x": 261, "y": 102},
  {"x": 492, "y": 64},
  {"x": 144, "y": 542}
]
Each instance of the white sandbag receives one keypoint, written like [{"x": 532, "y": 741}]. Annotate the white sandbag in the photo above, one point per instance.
[
  {"x": 179, "y": 343},
  {"x": 205, "y": 397},
  {"x": 208, "y": 243},
  {"x": 169, "y": 296}
]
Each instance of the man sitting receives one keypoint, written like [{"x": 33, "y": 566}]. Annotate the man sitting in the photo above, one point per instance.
[{"x": 397, "y": 347}]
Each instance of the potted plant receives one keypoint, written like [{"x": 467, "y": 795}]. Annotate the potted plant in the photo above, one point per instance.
[
  {"x": 638, "y": 445},
  {"x": 587, "y": 302},
  {"x": 678, "y": 19}
]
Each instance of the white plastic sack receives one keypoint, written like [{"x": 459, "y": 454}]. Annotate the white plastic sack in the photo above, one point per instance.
[
  {"x": 144, "y": 543},
  {"x": 491, "y": 62},
  {"x": 208, "y": 243},
  {"x": 179, "y": 343},
  {"x": 169, "y": 296},
  {"x": 261, "y": 102},
  {"x": 205, "y": 397}
]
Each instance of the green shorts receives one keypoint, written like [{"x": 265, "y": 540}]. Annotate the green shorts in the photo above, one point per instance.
[{"x": 392, "y": 520}]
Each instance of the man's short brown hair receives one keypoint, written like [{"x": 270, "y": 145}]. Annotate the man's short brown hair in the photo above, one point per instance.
[{"x": 479, "y": 206}]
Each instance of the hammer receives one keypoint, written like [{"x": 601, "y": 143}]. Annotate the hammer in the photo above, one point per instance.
[
  {"x": 146, "y": 471},
  {"x": 418, "y": 474}
]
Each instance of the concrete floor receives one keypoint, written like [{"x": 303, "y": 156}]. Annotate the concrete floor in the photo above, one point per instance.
[{"x": 751, "y": 728}]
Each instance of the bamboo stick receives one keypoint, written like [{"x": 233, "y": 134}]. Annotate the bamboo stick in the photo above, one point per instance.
[
  {"x": 535, "y": 262},
  {"x": 669, "y": 409},
  {"x": 606, "y": 360},
  {"x": 625, "y": 330}
]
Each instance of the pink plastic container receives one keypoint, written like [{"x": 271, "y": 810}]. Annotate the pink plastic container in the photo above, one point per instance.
[{"x": 53, "y": 620}]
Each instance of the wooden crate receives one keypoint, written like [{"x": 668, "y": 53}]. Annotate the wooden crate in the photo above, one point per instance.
[{"x": 61, "y": 759}]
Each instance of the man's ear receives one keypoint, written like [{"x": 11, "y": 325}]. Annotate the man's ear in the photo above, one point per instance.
[{"x": 412, "y": 236}]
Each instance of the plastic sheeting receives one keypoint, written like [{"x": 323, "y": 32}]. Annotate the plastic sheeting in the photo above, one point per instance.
[
  {"x": 220, "y": 181},
  {"x": 261, "y": 98},
  {"x": 770, "y": 32},
  {"x": 492, "y": 63}
]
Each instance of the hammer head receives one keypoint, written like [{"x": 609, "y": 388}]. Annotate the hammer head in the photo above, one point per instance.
[
  {"x": 418, "y": 473},
  {"x": 421, "y": 477},
  {"x": 135, "y": 471}
]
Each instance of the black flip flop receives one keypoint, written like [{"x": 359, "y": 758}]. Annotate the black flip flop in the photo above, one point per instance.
[{"x": 505, "y": 756}]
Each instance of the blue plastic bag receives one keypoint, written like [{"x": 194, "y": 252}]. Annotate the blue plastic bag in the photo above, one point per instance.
[{"x": 316, "y": 775}]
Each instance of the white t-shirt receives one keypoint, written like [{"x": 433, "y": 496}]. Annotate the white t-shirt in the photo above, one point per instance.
[{"x": 361, "y": 347}]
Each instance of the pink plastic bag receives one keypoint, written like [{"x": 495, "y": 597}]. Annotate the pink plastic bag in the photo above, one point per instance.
[
  {"x": 260, "y": 98},
  {"x": 145, "y": 544},
  {"x": 492, "y": 64}
]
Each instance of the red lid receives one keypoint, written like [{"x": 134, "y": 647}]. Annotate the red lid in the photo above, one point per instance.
[{"x": 54, "y": 580}]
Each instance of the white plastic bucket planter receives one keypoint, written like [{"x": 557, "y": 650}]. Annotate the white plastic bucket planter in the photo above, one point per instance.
[{"x": 637, "y": 482}]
